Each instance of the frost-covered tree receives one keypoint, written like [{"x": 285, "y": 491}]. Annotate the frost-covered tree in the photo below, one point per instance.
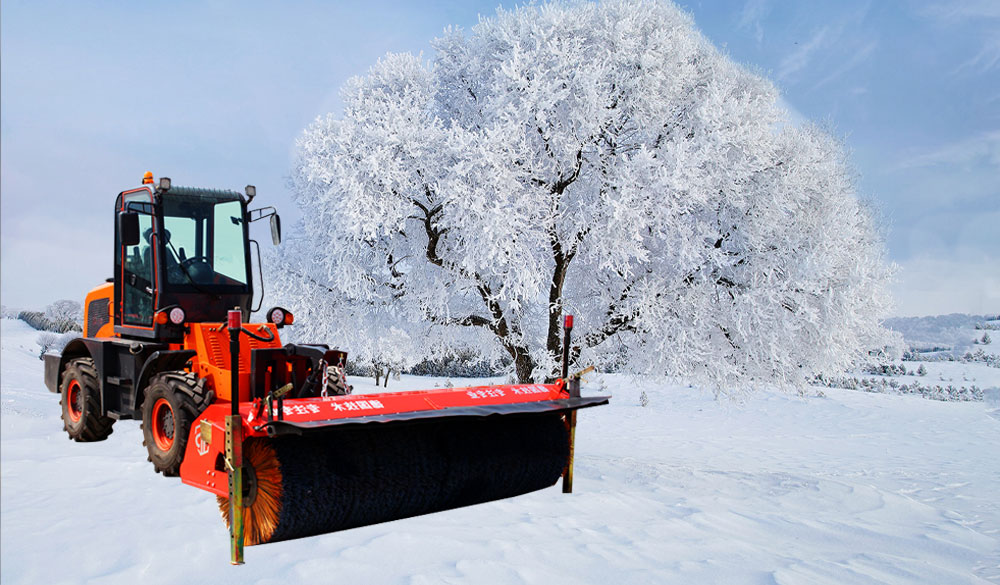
[
  {"x": 985, "y": 340},
  {"x": 374, "y": 340},
  {"x": 65, "y": 310},
  {"x": 602, "y": 160}
]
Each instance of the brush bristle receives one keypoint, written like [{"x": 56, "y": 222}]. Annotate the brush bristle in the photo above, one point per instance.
[{"x": 260, "y": 516}]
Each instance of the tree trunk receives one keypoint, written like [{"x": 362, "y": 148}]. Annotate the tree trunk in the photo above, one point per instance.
[{"x": 523, "y": 364}]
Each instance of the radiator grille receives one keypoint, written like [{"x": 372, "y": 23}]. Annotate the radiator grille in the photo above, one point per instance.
[{"x": 97, "y": 316}]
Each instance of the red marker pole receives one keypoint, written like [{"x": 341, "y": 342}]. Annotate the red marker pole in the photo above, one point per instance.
[
  {"x": 567, "y": 327},
  {"x": 234, "y": 443},
  {"x": 574, "y": 390}
]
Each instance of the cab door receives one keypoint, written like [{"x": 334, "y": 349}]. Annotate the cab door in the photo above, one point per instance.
[{"x": 135, "y": 266}]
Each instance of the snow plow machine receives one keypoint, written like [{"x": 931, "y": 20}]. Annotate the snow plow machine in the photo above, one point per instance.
[{"x": 273, "y": 430}]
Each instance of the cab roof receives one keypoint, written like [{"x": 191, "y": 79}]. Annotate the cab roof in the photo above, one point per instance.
[{"x": 200, "y": 193}]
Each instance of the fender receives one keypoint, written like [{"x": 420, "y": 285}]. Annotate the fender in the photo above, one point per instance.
[
  {"x": 55, "y": 363},
  {"x": 159, "y": 361}
]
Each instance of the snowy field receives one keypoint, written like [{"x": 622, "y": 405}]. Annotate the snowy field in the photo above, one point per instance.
[
  {"x": 847, "y": 488},
  {"x": 956, "y": 333}
]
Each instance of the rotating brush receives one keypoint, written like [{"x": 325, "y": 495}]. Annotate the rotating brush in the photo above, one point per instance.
[{"x": 355, "y": 476}]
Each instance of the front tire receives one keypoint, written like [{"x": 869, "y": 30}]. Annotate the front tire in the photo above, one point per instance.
[
  {"x": 81, "y": 404},
  {"x": 173, "y": 401},
  {"x": 336, "y": 384}
]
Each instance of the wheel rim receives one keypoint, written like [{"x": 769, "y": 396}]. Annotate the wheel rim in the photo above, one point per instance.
[
  {"x": 74, "y": 401},
  {"x": 163, "y": 424}
]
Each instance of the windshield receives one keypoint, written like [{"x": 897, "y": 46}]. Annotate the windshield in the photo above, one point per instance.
[{"x": 204, "y": 242}]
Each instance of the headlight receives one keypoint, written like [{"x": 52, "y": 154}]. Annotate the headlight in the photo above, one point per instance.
[
  {"x": 177, "y": 315},
  {"x": 280, "y": 317}
]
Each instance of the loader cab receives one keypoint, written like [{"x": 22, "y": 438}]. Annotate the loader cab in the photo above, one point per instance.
[{"x": 179, "y": 248}]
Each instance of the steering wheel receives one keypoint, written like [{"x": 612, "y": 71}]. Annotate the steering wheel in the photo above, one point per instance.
[
  {"x": 199, "y": 268},
  {"x": 187, "y": 261}
]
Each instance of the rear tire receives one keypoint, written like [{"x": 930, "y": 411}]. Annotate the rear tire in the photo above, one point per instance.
[
  {"x": 173, "y": 401},
  {"x": 81, "y": 403}
]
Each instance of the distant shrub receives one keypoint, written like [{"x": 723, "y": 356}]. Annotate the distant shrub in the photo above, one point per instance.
[
  {"x": 948, "y": 393},
  {"x": 886, "y": 370},
  {"x": 971, "y": 357},
  {"x": 353, "y": 368},
  {"x": 49, "y": 341},
  {"x": 39, "y": 321},
  {"x": 917, "y": 354},
  {"x": 980, "y": 357},
  {"x": 45, "y": 340},
  {"x": 463, "y": 364}
]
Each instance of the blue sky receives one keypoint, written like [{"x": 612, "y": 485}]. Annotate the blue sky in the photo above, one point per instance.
[{"x": 215, "y": 93}]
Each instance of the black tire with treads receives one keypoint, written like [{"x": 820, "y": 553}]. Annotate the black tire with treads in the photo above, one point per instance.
[
  {"x": 336, "y": 384},
  {"x": 81, "y": 403},
  {"x": 186, "y": 397},
  {"x": 351, "y": 477}
]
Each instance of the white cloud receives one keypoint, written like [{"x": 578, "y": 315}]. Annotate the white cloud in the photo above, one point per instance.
[
  {"x": 985, "y": 13},
  {"x": 845, "y": 34},
  {"x": 751, "y": 15},
  {"x": 801, "y": 56},
  {"x": 938, "y": 286},
  {"x": 956, "y": 10},
  {"x": 986, "y": 60},
  {"x": 856, "y": 59},
  {"x": 981, "y": 149}
]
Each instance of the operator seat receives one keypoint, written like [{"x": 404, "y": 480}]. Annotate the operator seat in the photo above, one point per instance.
[{"x": 148, "y": 251}]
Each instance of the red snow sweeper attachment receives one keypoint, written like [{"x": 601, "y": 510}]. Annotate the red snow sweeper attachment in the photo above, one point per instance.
[{"x": 311, "y": 465}]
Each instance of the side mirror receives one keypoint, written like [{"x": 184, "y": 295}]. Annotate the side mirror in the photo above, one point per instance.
[
  {"x": 275, "y": 229},
  {"x": 128, "y": 228}
]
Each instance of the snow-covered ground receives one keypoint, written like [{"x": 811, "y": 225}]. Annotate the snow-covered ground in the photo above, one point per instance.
[{"x": 849, "y": 488}]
